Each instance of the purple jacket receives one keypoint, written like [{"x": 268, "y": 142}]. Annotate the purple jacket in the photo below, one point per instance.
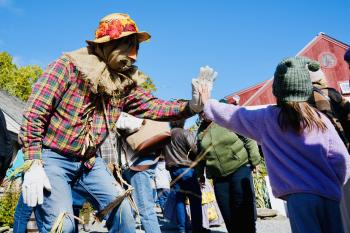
[{"x": 313, "y": 162}]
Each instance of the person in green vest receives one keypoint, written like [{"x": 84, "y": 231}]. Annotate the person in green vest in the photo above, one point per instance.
[{"x": 229, "y": 161}]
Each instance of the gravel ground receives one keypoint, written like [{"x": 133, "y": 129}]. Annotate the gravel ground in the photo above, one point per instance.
[{"x": 278, "y": 224}]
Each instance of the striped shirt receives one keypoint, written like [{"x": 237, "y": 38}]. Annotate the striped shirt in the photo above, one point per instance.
[{"x": 63, "y": 114}]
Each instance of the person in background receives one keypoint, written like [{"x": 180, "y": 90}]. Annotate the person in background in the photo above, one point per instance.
[
  {"x": 179, "y": 154},
  {"x": 137, "y": 169},
  {"x": 162, "y": 181},
  {"x": 6, "y": 147},
  {"x": 229, "y": 161},
  {"x": 140, "y": 176},
  {"x": 70, "y": 113},
  {"x": 306, "y": 160},
  {"x": 347, "y": 57},
  {"x": 331, "y": 103}
]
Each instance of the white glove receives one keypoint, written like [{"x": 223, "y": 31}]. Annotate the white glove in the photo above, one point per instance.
[
  {"x": 129, "y": 123},
  {"x": 35, "y": 181},
  {"x": 205, "y": 79}
]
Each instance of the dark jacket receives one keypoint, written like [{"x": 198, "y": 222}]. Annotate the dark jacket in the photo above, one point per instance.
[
  {"x": 180, "y": 149},
  {"x": 331, "y": 103},
  {"x": 226, "y": 151},
  {"x": 6, "y": 147}
]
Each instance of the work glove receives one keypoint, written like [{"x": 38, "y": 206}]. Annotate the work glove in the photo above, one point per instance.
[
  {"x": 205, "y": 79},
  {"x": 35, "y": 181},
  {"x": 129, "y": 123}
]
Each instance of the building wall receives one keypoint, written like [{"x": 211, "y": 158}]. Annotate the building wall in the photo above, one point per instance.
[{"x": 330, "y": 54}]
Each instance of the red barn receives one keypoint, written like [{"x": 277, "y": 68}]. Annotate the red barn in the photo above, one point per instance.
[{"x": 323, "y": 48}]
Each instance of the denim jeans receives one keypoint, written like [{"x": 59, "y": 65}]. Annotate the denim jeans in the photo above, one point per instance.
[
  {"x": 23, "y": 213},
  {"x": 236, "y": 199},
  {"x": 22, "y": 216},
  {"x": 78, "y": 202},
  {"x": 314, "y": 214},
  {"x": 162, "y": 196},
  {"x": 143, "y": 196},
  {"x": 97, "y": 185},
  {"x": 188, "y": 186}
]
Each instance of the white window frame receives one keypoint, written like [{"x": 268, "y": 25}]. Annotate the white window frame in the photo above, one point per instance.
[{"x": 344, "y": 87}]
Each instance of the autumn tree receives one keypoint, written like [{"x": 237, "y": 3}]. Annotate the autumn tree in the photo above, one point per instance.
[{"x": 17, "y": 81}]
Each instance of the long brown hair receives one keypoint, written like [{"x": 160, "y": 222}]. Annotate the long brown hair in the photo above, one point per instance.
[{"x": 299, "y": 116}]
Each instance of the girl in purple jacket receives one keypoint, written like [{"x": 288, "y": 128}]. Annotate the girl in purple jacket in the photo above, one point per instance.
[{"x": 306, "y": 160}]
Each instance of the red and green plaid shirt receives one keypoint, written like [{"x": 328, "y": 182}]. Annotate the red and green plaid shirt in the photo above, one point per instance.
[{"x": 62, "y": 111}]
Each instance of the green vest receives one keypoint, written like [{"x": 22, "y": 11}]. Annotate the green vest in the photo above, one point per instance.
[{"x": 227, "y": 151}]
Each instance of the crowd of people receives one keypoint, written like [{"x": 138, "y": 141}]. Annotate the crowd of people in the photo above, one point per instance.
[{"x": 87, "y": 102}]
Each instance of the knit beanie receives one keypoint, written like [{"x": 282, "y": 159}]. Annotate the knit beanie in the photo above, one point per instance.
[
  {"x": 347, "y": 55},
  {"x": 292, "y": 79}
]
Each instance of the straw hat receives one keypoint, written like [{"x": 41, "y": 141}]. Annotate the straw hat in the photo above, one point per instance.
[{"x": 115, "y": 26}]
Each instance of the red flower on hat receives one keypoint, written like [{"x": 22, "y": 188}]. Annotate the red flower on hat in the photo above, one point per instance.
[
  {"x": 130, "y": 28},
  {"x": 115, "y": 28},
  {"x": 102, "y": 30}
]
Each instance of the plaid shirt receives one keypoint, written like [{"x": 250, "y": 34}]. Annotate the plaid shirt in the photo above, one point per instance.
[
  {"x": 63, "y": 113},
  {"x": 112, "y": 152},
  {"x": 330, "y": 102},
  {"x": 108, "y": 150}
]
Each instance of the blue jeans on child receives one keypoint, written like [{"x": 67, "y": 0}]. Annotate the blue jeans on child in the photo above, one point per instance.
[
  {"x": 97, "y": 185},
  {"x": 309, "y": 213},
  {"x": 188, "y": 186},
  {"x": 143, "y": 196}
]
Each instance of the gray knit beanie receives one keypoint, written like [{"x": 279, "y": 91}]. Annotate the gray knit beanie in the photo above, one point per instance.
[{"x": 292, "y": 79}]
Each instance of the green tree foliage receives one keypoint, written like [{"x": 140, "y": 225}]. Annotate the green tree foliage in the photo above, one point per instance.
[
  {"x": 17, "y": 81},
  {"x": 6, "y": 69},
  {"x": 8, "y": 202}
]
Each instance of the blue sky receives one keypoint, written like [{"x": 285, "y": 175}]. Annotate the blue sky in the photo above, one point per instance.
[{"x": 242, "y": 40}]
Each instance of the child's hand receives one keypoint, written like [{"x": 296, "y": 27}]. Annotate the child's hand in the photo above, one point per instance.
[{"x": 204, "y": 93}]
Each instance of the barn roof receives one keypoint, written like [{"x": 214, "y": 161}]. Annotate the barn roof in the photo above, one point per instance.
[
  {"x": 12, "y": 106},
  {"x": 261, "y": 94}
]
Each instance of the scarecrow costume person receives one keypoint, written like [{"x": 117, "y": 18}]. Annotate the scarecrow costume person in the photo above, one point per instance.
[{"x": 71, "y": 110}]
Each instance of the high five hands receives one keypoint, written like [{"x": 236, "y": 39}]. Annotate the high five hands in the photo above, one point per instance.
[{"x": 201, "y": 88}]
